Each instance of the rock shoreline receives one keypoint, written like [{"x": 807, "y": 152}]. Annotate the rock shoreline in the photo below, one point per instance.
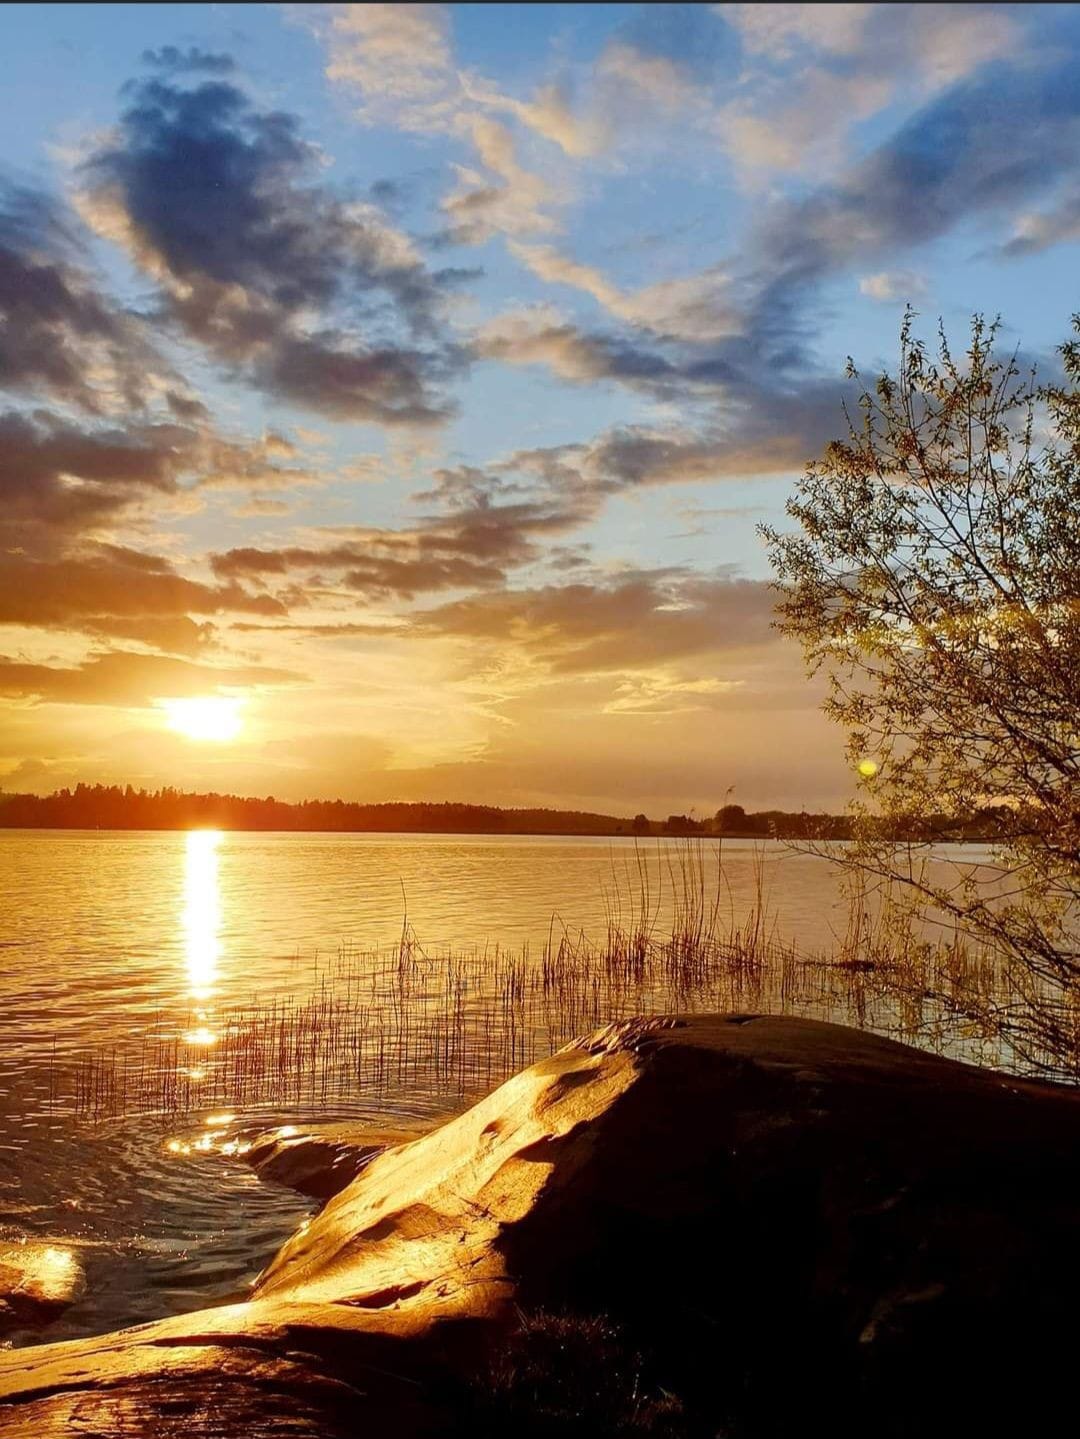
[{"x": 717, "y": 1225}]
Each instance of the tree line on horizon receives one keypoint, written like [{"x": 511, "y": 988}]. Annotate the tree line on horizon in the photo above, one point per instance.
[{"x": 122, "y": 807}]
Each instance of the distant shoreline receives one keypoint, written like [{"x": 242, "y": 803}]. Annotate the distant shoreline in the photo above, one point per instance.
[
  {"x": 623, "y": 833},
  {"x": 125, "y": 809}
]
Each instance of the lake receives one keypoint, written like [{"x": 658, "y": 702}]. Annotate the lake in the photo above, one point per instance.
[{"x": 115, "y": 941}]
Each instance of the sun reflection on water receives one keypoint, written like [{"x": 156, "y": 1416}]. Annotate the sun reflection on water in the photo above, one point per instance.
[{"x": 202, "y": 915}]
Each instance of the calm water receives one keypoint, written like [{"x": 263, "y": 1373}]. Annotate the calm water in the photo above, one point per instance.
[{"x": 104, "y": 936}]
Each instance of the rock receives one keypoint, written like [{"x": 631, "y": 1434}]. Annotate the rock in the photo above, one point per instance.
[
  {"x": 38, "y": 1281},
  {"x": 322, "y": 1159},
  {"x": 793, "y": 1227}
]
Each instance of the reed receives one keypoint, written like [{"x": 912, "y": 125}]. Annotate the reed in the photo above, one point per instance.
[{"x": 379, "y": 1022}]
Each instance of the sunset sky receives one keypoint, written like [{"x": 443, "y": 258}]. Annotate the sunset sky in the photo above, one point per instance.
[{"x": 413, "y": 379}]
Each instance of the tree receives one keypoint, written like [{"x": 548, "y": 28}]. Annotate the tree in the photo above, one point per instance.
[
  {"x": 730, "y": 816},
  {"x": 682, "y": 824},
  {"x": 935, "y": 579}
]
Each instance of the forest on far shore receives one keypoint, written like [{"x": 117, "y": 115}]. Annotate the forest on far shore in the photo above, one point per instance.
[{"x": 122, "y": 807}]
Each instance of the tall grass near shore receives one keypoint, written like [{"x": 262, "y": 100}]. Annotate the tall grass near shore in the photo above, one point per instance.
[{"x": 375, "y": 1023}]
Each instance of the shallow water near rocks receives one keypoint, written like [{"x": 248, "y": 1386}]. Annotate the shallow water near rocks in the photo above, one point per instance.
[{"x": 107, "y": 936}]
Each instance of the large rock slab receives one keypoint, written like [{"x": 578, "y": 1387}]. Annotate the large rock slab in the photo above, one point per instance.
[
  {"x": 796, "y": 1227},
  {"x": 321, "y": 1159}
]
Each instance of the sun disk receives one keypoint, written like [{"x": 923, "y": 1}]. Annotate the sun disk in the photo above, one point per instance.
[{"x": 212, "y": 718}]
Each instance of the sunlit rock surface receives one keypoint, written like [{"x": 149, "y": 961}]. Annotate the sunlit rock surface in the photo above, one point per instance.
[
  {"x": 321, "y": 1159},
  {"x": 37, "y": 1283},
  {"x": 801, "y": 1228}
]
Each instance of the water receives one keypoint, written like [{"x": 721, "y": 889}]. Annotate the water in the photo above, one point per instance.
[{"x": 106, "y": 936}]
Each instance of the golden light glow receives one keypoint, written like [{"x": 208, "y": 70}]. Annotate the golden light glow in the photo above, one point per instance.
[
  {"x": 208, "y": 1144},
  {"x": 201, "y": 1037},
  {"x": 47, "y": 1272},
  {"x": 202, "y": 914},
  {"x": 868, "y": 768},
  {"x": 212, "y": 718}
]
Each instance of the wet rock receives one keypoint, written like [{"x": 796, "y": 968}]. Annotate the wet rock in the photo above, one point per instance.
[
  {"x": 38, "y": 1281},
  {"x": 322, "y": 1159},
  {"x": 790, "y": 1227}
]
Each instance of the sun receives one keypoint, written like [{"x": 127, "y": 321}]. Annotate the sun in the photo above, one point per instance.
[{"x": 210, "y": 718}]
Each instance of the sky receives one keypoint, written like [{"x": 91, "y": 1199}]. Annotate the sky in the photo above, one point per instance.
[{"x": 390, "y": 394}]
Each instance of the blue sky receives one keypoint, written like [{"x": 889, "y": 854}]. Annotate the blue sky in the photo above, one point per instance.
[{"x": 414, "y": 378}]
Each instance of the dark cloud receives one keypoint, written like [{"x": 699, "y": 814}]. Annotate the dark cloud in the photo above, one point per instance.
[
  {"x": 761, "y": 406},
  {"x": 585, "y": 358},
  {"x": 123, "y": 677},
  {"x": 59, "y": 335},
  {"x": 60, "y": 482},
  {"x": 189, "y": 61},
  {"x": 344, "y": 630},
  {"x": 56, "y": 476},
  {"x": 383, "y": 564},
  {"x": 755, "y": 431},
  {"x": 482, "y": 527},
  {"x": 638, "y": 620},
  {"x": 391, "y": 385},
  {"x": 108, "y": 590},
  {"x": 173, "y": 634},
  {"x": 60, "y": 479},
  {"x": 221, "y": 203},
  {"x": 985, "y": 146}
]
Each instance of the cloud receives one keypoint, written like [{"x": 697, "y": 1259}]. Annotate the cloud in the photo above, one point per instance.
[
  {"x": 310, "y": 297},
  {"x": 398, "y": 61},
  {"x": 61, "y": 480},
  {"x": 623, "y": 67},
  {"x": 540, "y": 336},
  {"x": 472, "y": 546},
  {"x": 548, "y": 114},
  {"x": 965, "y": 156},
  {"x": 59, "y": 335},
  {"x": 894, "y": 286},
  {"x": 397, "y": 58},
  {"x": 778, "y": 31},
  {"x": 628, "y": 623},
  {"x": 65, "y": 489},
  {"x": 509, "y": 199},
  {"x": 1038, "y": 230},
  {"x": 123, "y": 677},
  {"x": 191, "y": 60},
  {"x": 626, "y": 90},
  {"x": 110, "y": 580},
  {"x": 758, "y": 434},
  {"x": 813, "y": 72},
  {"x": 114, "y": 591},
  {"x": 696, "y": 307},
  {"x": 59, "y": 477},
  {"x": 766, "y": 414}
]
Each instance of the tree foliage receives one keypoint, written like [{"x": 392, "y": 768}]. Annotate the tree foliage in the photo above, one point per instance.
[{"x": 935, "y": 578}]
